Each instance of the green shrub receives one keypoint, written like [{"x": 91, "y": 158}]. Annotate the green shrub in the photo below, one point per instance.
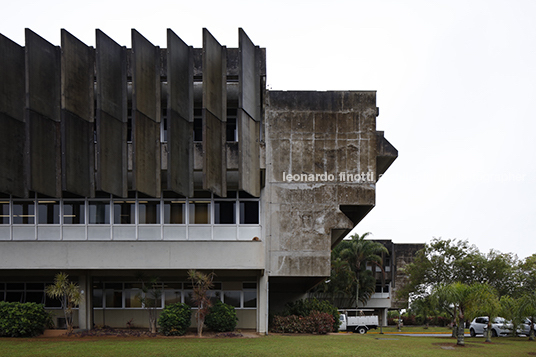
[
  {"x": 304, "y": 308},
  {"x": 23, "y": 320},
  {"x": 221, "y": 318},
  {"x": 175, "y": 319},
  {"x": 316, "y": 322}
]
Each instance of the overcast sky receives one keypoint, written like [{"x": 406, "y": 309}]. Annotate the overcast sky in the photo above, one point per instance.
[{"x": 455, "y": 81}]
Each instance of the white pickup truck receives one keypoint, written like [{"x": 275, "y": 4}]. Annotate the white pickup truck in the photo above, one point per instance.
[{"x": 360, "y": 324}]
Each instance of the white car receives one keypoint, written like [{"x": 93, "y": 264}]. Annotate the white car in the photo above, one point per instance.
[
  {"x": 499, "y": 326},
  {"x": 524, "y": 328}
]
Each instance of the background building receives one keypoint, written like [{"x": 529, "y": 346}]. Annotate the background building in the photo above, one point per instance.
[{"x": 116, "y": 162}]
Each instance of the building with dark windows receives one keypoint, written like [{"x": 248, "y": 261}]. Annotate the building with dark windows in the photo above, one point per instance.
[{"x": 119, "y": 161}]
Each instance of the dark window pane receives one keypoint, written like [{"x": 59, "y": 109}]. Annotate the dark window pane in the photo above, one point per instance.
[
  {"x": 199, "y": 212},
  {"x": 4, "y": 212},
  {"x": 73, "y": 212},
  {"x": 50, "y": 302},
  {"x": 124, "y": 212},
  {"x": 97, "y": 297},
  {"x": 15, "y": 286},
  {"x": 35, "y": 286},
  {"x": 198, "y": 129},
  {"x": 49, "y": 212},
  {"x": 149, "y": 212},
  {"x": 249, "y": 285},
  {"x": 232, "y": 298},
  {"x": 34, "y": 296},
  {"x": 189, "y": 299},
  {"x": 174, "y": 212},
  {"x": 132, "y": 298},
  {"x": 214, "y": 296},
  {"x": 172, "y": 297},
  {"x": 114, "y": 298},
  {"x": 99, "y": 212},
  {"x": 224, "y": 212},
  {"x": 250, "y": 299},
  {"x": 249, "y": 212},
  {"x": 23, "y": 212},
  {"x": 231, "y": 129},
  {"x": 14, "y": 296}
]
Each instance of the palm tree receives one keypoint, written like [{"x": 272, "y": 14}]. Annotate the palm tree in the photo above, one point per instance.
[
  {"x": 484, "y": 301},
  {"x": 527, "y": 308},
  {"x": 358, "y": 252},
  {"x": 69, "y": 295},
  {"x": 459, "y": 296},
  {"x": 202, "y": 283}
]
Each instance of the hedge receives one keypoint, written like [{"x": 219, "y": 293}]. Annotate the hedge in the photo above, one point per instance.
[
  {"x": 307, "y": 306},
  {"x": 317, "y": 323},
  {"x": 23, "y": 319}
]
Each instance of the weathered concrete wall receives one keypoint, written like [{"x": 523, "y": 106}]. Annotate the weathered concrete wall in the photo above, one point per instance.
[{"x": 325, "y": 136}]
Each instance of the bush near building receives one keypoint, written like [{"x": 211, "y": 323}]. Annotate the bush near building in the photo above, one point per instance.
[
  {"x": 221, "y": 318},
  {"x": 175, "y": 319},
  {"x": 317, "y": 323},
  {"x": 23, "y": 319}
]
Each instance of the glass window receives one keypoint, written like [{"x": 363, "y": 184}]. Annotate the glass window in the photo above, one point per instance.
[
  {"x": 99, "y": 212},
  {"x": 114, "y": 295},
  {"x": 199, "y": 212},
  {"x": 198, "y": 127},
  {"x": 232, "y": 298},
  {"x": 149, "y": 212},
  {"x": 74, "y": 212},
  {"x": 14, "y": 296},
  {"x": 49, "y": 212},
  {"x": 249, "y": 212},
  {"x": 4, "y": 212},
  {"x": 132, "y": 298},
  {"x": 189, "y": 298},
  {"x": 250, "y": 299},
  {"x": 35, "y": 296},
  {"x": 214, "y": 296},
  {"x": 231, "y": 132},
  {"x": 174, "y": 212},
  {"x": 97, "y": 297},
  {"x": 23, "y": 212},
  {"x": 124, "y": 212},
  {"x": 224, "y": 212},
  {"x": 172, "y": 297}
]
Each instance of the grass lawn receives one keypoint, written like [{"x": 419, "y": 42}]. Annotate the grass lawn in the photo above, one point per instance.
[{"x": 272, "y": 345}]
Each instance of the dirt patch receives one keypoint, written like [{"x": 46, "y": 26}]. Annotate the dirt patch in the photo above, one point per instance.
[{"x": 451, "y": 346}]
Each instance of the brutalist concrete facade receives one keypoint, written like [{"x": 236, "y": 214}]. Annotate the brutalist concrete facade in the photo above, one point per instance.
[{"x": 116, "y": 160}]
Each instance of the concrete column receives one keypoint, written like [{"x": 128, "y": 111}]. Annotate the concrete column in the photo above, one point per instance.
[
  {"x": 85, "y": 321},
  {"x": 262, "y": 304},
  {"x": 383, "y": 312}
]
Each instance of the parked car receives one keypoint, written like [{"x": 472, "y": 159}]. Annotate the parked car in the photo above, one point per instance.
[
  {"x": 524, "y": 327},
  {"x": 499, "y": 326}
]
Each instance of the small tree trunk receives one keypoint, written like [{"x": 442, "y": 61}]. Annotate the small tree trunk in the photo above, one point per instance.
[
  {"x": 531, "y": 334},
  {"x": 488, "y": 332},
  {"x": 461, "y": 337},
  {"x": 454, "y": 330}
]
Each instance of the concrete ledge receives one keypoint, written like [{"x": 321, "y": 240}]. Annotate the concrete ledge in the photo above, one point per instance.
[{"x": 132, "y": 255}]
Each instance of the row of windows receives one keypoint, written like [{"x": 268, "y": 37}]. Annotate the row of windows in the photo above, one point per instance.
[
  {"x": 231, "y": 133},
  {"x": 131, "y": 211},
  {"x": 127, "y": 295}
]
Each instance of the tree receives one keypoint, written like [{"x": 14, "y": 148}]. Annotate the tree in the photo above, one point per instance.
[
  {"x": 461, "y": 297},
  {"x": 484, "y": 301},
  {"x": 202, "y": 283},
  {"x": 69, "y": 295},
  {"x": 358, "y": 252},
  {"x": 527, "y": 308},
  {"x": 150, "y": 298}
]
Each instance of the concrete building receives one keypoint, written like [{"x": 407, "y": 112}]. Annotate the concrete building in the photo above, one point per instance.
[{"x": 118, "y": 161}]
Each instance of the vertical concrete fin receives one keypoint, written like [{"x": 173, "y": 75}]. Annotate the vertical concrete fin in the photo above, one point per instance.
[
  {"x": 111, "y": 128},
  {"x": 248, "y": 116},
  {"x": 249, "y": 79},
  {"x": 145, "y": 116},
  {"x": 12, "y": 125},
  {"x": 78, "y": 152},
  {"x": 214, "y": 115},
  {"x": 180, "y": 103},
  {"x": 43, "y": 99}
]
